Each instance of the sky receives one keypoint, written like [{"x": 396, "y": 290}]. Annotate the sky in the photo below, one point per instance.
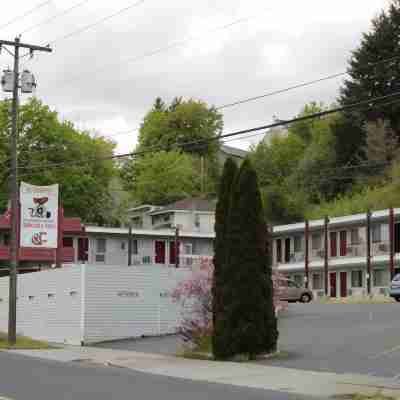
[{"x": 105, "y": 77}]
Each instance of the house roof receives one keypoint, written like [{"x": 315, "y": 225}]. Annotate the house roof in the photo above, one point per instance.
[
  {"x": 233, "y": 151},
  {"x": 190, "y": 204}
]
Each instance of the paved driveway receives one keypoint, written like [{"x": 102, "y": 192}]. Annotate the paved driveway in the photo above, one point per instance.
[{"x": 353, "y": 338}]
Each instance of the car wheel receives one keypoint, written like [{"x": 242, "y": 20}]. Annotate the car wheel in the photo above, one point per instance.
[
  {"x": 305, "y": 298},
  {"x": 397, "y": 299}
]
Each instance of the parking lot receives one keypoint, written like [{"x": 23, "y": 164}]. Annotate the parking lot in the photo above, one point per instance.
[{"x": 357, "y": 338}]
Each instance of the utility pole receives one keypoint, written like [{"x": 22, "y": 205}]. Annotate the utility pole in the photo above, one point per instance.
[
  {"x": 177, "y": 247},
  {"x": 14, "y": 189}
]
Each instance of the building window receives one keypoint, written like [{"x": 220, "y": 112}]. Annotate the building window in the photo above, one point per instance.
[
  {"x": 355, "y": 236},
  {"x": 298, "y": 244},
  {"x": 356, "y": 279},
  {"x": 100, "y": 250},
  {"x": 316, "y": 241},
  {"x": 316, "y": 281},
  {"x": 6, "y": 239},
  {"x": 197, "y": 221},
  {"x": 188, "y": 248},
  {"x": 379, "y": 277},
  {"x": 376, "y": 233},
  {"x": 122, "y": 245},
  {"x": 135, "y": 247},
  {"x": 279, "y": 250}
]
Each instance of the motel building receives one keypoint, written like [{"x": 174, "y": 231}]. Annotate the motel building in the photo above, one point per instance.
[{"x": 337, "y": 256}]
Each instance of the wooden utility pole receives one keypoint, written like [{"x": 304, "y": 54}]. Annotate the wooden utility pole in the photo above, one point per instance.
[
  {"x": 177, "y": 247},
  {"x": 130, "y": 245},
  {"x": 306, "y": 254},
  {"x": 14, "y": 189}
]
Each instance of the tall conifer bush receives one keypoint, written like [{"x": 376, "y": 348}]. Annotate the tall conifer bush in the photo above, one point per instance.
[
  {"x": 220, "y": 251},
  {"x": 250, "y": 324}
]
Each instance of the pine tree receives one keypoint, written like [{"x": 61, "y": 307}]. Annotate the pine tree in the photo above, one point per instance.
[
  {"x": 368, "y": 80},
  {"x": 220, "y": 250},
  {"x": 250, "y": 320}
]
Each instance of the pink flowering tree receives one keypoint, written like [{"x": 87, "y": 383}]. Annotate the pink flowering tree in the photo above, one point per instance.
[{"x": 194, "y": 296}]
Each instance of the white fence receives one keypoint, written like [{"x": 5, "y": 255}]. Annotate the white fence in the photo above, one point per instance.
[{"x": 93, "y": 303}]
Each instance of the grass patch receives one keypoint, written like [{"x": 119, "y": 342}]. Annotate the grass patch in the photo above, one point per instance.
[
  {"x": 23, "y": 343},
  {"x": 357, "y": 396},
  {"x": 357, "y": 300}
]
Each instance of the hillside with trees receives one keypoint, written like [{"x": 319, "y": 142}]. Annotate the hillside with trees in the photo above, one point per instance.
[
  {"x": 54, "y": 151},
  {"x": 346, "y": 162}
]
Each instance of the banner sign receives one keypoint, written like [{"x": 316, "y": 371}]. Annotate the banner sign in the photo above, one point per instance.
[{"x": 39, "y": 216}]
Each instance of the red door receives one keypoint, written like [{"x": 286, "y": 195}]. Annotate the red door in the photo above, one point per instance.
[
  {"x": 160, "y": 252},
  {"x": 343, "y": 284},
  {"x": 83, "y": 248},
  {"x": 172, "y": 252},
  {"x": 333, "y": 240},
  {"x": 332, "y": 280},
  {"x": 343, "y": 243}
]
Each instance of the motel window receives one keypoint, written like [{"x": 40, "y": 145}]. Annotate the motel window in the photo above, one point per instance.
[
  {"x": 316, "y": 281},
  {"x": 356, "y": 279},
  {"x": 135, "y": 247},
  {"x": 278, "y": 250},
  {"x": 197, "y": 221},
  {"x": 188, "y": 248},
  {"x": 379, "y": 277},
  {"x": 100, "y": 250},
  {"x": 376, "y": 233},
  {"x": 6, "y": 239},
  {"x": 68, "y": 242},
  {"x": 316, "y": 241},
  {"x": 123, "y": 245},
  {"x": 355, "y": 237},
  {"x": 297, "y": 244}
]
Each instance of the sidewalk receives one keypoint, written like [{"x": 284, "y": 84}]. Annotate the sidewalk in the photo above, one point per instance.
[{"x": 311, "y": 383}]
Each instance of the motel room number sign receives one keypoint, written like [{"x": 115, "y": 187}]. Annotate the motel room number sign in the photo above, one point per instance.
[{"x": 39, "y": 216}]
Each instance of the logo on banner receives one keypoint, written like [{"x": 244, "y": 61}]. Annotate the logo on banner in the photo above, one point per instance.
[{"x": 39, "y": 216}]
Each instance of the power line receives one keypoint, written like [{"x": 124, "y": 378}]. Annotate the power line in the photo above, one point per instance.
[
  {"x": 98, "y": 22},
  {"x": 301, "y": 85},
  {"x": 32, "y": 10},
  {"x": 276, "y": 92},
  {"x": 168, "y": 46},
  {"x": 54, "y": 17},
  {"x": 368, "y": 102}
]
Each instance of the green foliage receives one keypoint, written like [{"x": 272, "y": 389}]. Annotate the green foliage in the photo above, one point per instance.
[
  {"x": 43, "y": 140},
  {"x": 368, "y": 80},
  {"x": 249, "y": 317},
  {"x": 179, "y": 125},
  {"x": 164, "y": 177},
  {"x": 220, "y": 252}
]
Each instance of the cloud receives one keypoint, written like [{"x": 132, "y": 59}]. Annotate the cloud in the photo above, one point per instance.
[{"x": 93, "y": 79}]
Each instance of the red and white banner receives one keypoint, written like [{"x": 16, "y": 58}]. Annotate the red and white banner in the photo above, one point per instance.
[{"x": 39, "y": 216}]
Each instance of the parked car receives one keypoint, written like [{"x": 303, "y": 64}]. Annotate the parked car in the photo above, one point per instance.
[
  {"x": 395, "y": 288},
  {"x": 292, "y": 292}
]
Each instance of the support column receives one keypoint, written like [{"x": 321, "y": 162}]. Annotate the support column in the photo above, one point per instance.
[
  {"x": 306, "y": 253},
  {"x": 391, "y": 242},
  {"x": 369, "y": 252},
  {"x": 326, "y": 266}
]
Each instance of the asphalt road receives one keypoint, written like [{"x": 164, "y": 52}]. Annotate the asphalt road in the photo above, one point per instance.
[
  {"x": 25, "y": 378},
  {"x": 341, "y": 338}
]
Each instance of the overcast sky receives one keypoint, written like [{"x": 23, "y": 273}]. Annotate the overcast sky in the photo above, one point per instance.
[{"x": 100, "y": 80}]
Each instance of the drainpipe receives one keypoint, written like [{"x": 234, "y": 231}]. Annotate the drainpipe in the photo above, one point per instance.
[
  {"x": 326, "y": 222},
  {"x": 306, "y": 255},
  {"x": 391, "y": 241},
  {"x": 369, "y": 252}
]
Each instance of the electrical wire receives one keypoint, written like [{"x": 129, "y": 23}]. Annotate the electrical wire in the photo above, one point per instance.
[
  {"x": 172, "y": 45},
  {"x": 32, "y": 10},
  {"x": 54, "y": 17},
  {"x": 368, "y": 103},
  {"x": 98, "y": 22}
]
